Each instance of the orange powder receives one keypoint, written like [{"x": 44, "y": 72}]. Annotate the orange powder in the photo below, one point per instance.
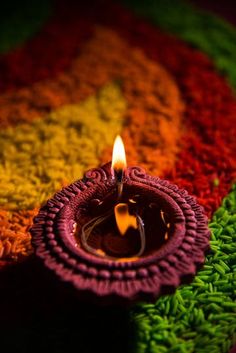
[
  {"x": 152, "y": 128},
  {"x": 14, "y": 235},
  {"x": 153, "y": 123}
]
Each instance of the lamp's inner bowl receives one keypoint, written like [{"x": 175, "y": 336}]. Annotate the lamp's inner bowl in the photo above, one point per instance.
[{"x": 105, "y": 237}]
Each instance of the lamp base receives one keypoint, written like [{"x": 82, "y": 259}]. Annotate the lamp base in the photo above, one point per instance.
[{"x": 167, "y": 260}]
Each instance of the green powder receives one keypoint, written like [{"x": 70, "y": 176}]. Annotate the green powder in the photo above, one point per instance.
[
  {"x": 209, "y": 33},
  {"x": 200, "y": 317},
  {"x": 20, "y": 20}
]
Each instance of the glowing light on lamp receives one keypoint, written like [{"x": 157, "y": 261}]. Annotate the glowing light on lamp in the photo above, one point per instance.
[{"x": 118, "y": 158}]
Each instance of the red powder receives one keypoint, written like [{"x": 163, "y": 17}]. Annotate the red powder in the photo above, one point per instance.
[
  {"x": 206, "y": 165},
  {"x": 48, "y": 53},
  {"x": 209, "y": 143}
]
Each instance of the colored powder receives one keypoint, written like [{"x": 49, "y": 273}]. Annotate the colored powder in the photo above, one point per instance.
[
  {"x": 49, "y": 102},
  {"x": 209, "y": 33},
  {"x": 15, "y": 240},
  {"x": 199, "y": 161},
  {"x": 37, "y": 159},
  {"x": 190, "y": 75},
  {"x": 43, "y": 155},
  {"x": 155, "y": 107},
  {"x": 21, "y": 24},
  {"x": 49, "y": 52},
  {"x": 153, "y": 121}
]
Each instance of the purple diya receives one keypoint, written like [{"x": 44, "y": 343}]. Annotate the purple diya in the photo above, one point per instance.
[{"x": 76, "y": 236}]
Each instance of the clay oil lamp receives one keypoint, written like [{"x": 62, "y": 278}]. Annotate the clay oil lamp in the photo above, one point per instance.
[{"x": 121, "y": 235}]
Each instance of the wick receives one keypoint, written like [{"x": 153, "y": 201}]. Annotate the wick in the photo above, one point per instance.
[
  {"x": 119, "y": 190},
  {"x": 119, "y": 174}
]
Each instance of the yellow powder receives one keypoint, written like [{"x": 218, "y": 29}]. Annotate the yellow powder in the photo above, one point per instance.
[{"x": 37, "y": 158}]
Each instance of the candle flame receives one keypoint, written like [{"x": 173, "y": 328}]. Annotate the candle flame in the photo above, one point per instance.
[
  {"x": 118, "y": 155},
  {"x": 123, "y": 219}
]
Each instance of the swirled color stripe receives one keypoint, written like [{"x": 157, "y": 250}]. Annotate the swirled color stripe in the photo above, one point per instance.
[
  {"x": 38, "y": 158},
  {"x": 49, "y": 52},
  {"x": 210, "y": 171},
  {"x": 209, "y": 33}
]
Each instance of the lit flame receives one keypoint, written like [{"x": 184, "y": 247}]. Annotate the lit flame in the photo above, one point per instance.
[
  {"x": 123, "y": 219},
  {"x": 118, "y": 155}
]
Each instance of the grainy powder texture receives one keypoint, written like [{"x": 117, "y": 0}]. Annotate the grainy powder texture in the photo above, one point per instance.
[{"x": 39, "y": 158}]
